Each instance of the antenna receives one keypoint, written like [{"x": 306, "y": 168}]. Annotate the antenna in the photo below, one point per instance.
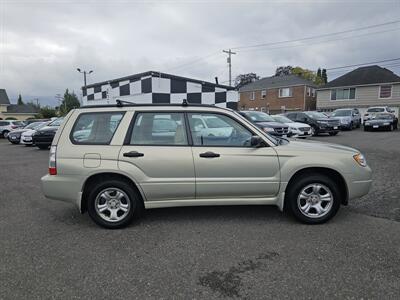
[{"x": 185, "y": 103}]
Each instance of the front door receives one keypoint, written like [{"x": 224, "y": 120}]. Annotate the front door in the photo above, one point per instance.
[
  {"x": 226, "y": 165},
  {"x": 156, "y": 153}
]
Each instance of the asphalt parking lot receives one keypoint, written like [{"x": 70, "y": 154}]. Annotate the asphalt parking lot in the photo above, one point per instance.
[{"x": 49, "y": 250}]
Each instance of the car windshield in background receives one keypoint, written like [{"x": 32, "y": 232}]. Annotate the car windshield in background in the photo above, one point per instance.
[
  {"x": 282, "y": 119},
  {"x": 316, "y": 115},
  {"x": 18, "y": 123},
  {"x": 33, "y": 125},
  {"x": 56, "y": 122},
  {"x": 376, "y": 109},
  {"x": 341, "y": 113},
  {"x": 259, "y": 116}
]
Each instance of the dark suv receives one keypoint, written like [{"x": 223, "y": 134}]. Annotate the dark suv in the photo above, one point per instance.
[
  {"x": 319, "y": 122},
  {"x": 266, "y": 123}
]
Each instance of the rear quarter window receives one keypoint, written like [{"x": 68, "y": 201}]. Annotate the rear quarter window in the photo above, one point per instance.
[{"x": 95, "y": 128}]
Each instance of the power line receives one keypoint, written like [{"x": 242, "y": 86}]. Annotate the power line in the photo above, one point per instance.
[
  {"x": 361, "y": 64},
  {"x": 316, "y": 36}
]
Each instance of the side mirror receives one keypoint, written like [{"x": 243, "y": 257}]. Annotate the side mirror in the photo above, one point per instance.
[{"x": 256, "y": 141}]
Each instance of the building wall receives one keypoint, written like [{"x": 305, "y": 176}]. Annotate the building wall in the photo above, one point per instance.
[
  {"x": 3, "y": 108},
  {"x": 365, "y": 96},
  {"x": 20, "y": 117},
  {"x": 272, "y": 103},
  {"x": 153, "y": 89}
]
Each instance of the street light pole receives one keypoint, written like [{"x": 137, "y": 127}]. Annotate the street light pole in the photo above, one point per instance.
[{"x": 84, "y": 72}]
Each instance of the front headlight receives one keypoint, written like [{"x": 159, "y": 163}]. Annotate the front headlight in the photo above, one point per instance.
[
  {"x": 360, "y": 159},
  {"x": 268, "y": 129}
]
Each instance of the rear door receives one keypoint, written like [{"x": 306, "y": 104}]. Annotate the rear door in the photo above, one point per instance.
[
  {"x": 157, "y": 154},
  {"x": 226, "y": 165}
]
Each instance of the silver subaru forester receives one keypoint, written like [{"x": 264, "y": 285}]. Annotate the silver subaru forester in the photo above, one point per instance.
[{"x": 114, "y": 161}]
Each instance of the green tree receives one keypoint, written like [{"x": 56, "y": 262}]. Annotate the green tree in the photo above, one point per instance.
[
  {"x": 47, "y": 112},
  {"x": 319, "y": 72},
  {"x": 70, "y": 101},
  {"x": 243, "y": 79},
  {"x": 283, "y": 70},
  {"x": 324, "y": 76},
  {"x": 19, "y": 101}
]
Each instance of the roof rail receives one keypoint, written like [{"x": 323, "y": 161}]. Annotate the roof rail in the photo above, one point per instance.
[{"x": 121, "y": 103}]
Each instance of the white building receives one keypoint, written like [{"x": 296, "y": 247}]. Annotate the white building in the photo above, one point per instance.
[{"x": 157, "y": 87}]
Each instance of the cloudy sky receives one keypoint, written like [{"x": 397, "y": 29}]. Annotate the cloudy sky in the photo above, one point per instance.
[{"x": 42, "y": 42}]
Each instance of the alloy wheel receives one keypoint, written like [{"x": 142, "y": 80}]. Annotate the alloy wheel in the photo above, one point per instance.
[
  {"x": 315, "y": 200},
  {"x": 112, "y": 204}
]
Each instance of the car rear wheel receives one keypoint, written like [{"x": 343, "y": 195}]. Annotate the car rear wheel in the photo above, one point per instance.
[
  {"x": 113, "y": 204},
  {"x": 313, "y": 199}
]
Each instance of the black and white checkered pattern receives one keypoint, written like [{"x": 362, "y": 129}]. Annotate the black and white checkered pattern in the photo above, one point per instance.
[{"x": 155, "y": 87}]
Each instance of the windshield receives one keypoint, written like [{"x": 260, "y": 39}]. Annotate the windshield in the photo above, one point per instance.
[
  {"x": 383, "y": 116},
  {"x": 315, "y": 115},
  {"x": 341, "y": 113},
  {"x": 259, "y": 116},
  {"x": 376, "y": 109},
  {"x": 282, "y": 119},
  {"x": 56, "y": 122},
  {"x": 33, "y": 125}
]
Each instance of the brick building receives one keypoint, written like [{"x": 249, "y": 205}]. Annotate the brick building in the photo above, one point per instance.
[{"x": 277, "y": 94}]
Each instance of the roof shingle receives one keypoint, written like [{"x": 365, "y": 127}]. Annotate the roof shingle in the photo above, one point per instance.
[
  {"x": 21, "y": 109},
  {"x": 276, "y": 82},
  {"x": 3, "y": 97},
  {"x": 364, "y": 75}
]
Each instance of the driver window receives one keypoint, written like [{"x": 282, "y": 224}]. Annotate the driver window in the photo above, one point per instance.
[{"x": 210, "y": 129}]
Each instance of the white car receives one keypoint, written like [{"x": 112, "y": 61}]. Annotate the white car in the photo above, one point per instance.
[
  {"x": 26, "y": 137},
  {"x": 372, "y": 111},
  {"x": 297, "y": 129}
]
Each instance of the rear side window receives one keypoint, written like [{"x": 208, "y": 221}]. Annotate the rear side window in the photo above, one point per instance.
[
  {"x": 159, "y": 129},
  {"x": 95, "y": 128},
  {"x": 3, "y": 123}
]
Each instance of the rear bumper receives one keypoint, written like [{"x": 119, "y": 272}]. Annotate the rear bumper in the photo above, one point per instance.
[{"x": 63, "y": 188}]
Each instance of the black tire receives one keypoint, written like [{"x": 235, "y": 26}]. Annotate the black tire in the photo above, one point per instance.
[
  {"x": 315, "y": 131},
  {"x": 391, "y": 127},
  {"x": 135, "y": 203},
  {"x": 5, "y": 133},
  {"x": 296, "y": 187},
  {"x": 366, "y": 128},
  {"x": 333, "y": 133},
  {"x": 43, "y": 147},
  {"x": 351, "y": 126},
  {"x": 358, "y": 124}
]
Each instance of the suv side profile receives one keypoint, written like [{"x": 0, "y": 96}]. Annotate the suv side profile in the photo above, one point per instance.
[
  {"x": 115, "y": 161},
  {"x": 319, "y": 122},
  {"x": 6, "y": 126}
]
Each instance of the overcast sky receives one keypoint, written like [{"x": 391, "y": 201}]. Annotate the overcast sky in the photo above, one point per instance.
[{"x": 43, "y": 42}]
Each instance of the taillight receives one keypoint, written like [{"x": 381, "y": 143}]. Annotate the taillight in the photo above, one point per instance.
[{"x": 52, "y": 161}]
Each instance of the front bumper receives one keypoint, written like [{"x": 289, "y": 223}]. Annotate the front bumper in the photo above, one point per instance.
[
  {"x": 359, "y": 183},
  {"x": 43, "y": 140}
]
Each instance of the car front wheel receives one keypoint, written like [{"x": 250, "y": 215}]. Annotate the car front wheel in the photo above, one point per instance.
[
  {"x": 113, "y": 204},
  {"x": 313, "y": 199}
]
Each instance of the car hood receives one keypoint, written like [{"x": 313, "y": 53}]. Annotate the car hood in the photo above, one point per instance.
[
  {"x": 376, "y": 121},
  {"x": 48, "y": 129},
  {"x": 314, "y": 146},
  {"x": 298, "y": 125},
  {"x": 342, "y": 118},
  {"x": 271, "y": 124},
  {"x": 28, "y": 132},
  {"x": 19, "y": 131}
]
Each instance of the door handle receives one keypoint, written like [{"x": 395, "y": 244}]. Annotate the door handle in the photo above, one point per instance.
[
  {"x": 209, "y": 154},
  {"x": 133, "y": 154}
]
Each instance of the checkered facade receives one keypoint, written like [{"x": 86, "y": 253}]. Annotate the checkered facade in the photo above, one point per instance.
[{"x": 160, "y": 88}]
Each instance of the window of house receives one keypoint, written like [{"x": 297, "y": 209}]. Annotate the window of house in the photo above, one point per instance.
[
  {"x": 285, "y": 92},
  {"x": 313, "y": 92},
  {"x": 263, "y": 93},
  {"x": 385, "y": 91},
  {"x": 252, "y": 95},
  {"x": 308, "y": 91},
  {"x": 343, "y": 94}
]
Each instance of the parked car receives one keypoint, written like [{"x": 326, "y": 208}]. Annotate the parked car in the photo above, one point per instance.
[
  {"x": 349, "y": 118},
  {"x": 43, "y": 137},
  {"x": 29, "y": 121},
  {"x": 266, "y": 123},
  {"x": 319, "y": 122},
  {"x": 9, "y": 125},
  {"x": 382, "y": 121},
  {"x": 371, "y": 111},
  {"x": 14, "y": 136},
  {"x": 296, "y": 129},
  {"x": 26, "y": 136},
  {"x": 124, "y": 167}
]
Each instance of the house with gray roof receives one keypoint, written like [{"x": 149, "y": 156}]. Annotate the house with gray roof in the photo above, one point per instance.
[
  {"x": 361, "y": 88},
  {"x": 15, "y": 111},
  {"x": 278, "y": 94}
]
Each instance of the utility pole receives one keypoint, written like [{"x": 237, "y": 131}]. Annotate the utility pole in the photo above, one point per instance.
[{"x": 229, "y": 60}]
